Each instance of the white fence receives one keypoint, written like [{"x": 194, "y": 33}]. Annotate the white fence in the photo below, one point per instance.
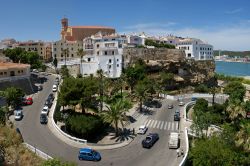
[
  {"x": 83, "y": 141},
  {"x": 38, "y": 152}
]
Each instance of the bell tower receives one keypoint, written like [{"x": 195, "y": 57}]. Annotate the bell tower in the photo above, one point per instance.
[{"x": 64, "y": 23}]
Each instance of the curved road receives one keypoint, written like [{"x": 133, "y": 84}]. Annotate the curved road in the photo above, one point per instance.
[{"x": 133, "y": 155}]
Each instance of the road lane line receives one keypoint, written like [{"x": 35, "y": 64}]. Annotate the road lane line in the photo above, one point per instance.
[
  {"x": 151, "y": 124},
  {"x": 158, "y": 126},
  {"x": 165, "y": 127},
  {"x": 173, "y": 126},
  {"x": 155, "y": 123},
  {"x": 148, "y": 122},
  {"x": 162, "y": 124},
  {"x": 169, "y": 125}
]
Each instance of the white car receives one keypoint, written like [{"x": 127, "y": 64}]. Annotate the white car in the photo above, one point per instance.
[
  {"x": 18, "y": 114},
  {"x": 45, "y": 110},
  {"x": 54, "y": 89},
  {"x": 142, "y": 129},
  {"x": 181, "y": 103}
]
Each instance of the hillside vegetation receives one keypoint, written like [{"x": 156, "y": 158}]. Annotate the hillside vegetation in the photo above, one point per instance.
[{"x": 232, "y": 53}]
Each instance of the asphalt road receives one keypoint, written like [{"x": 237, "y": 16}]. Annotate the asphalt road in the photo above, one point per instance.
[{"x": 132, "y": 155}]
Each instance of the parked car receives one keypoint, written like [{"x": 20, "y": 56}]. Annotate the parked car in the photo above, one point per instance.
[
  {"x": 18, "y": 114},
  {"x": 170, "y": 106},
  {"x": 54, "y": 89},
  {"x": 89, "y": 154},
  {"x": 150, "y": 140},
  {"x": 51, "y": 97},
  {"x": 142, "y": 129},
  {"x": 48, "y": 102},
  {"x": 43, "y": 119},
  {"x": 39, "y": 87},
  {"x": 27, "y": 101},
  {"x": 45, "y": 110},
  {"x": 181, "y": 103}
]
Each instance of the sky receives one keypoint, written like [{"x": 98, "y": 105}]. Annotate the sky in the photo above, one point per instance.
[{"x": 223, "y": 23}]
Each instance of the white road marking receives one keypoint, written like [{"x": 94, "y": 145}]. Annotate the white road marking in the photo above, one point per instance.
[
  {"x": 162, "y": 124},
  {"x": 173, "y": 126},
  {"x": 169, "y": 125},
  {"x": 165, "y": 127},
  {"x": 158, "y": 126},
  {"x": 148, "y": 122},
  {"x": 177, "y": 125},
  {"x": 155, "y": 124}
]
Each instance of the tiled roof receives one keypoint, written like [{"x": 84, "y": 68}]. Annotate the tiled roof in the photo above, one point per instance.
[
  {"x": 91, "y": 27},
  {"x": 7, "y": 65}
]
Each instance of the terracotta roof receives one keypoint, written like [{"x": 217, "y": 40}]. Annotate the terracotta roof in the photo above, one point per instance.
[
  {"x": 7, "y": 65},
  {"x": 92, "y": 27}
]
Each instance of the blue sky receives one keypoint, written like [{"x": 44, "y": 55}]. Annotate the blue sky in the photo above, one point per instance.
[{"x": 222, "y": 23}]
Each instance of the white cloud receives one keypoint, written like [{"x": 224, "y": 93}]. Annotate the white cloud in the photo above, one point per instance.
[
  {"x": 225, "y": 38},
  {"x": 234, "y": 11}
]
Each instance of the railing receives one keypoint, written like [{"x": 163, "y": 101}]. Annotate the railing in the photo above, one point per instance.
[
  {"x": 13, "y": 78},
  {"x": 38, "y": 152},
  {"x": 60, "y": 131}
]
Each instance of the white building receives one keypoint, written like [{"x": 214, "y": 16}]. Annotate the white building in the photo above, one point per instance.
[
  {"x": 136, "y": 40},
  {"x": 196, "y": 49},
  {"x": 103, "y": 52}
]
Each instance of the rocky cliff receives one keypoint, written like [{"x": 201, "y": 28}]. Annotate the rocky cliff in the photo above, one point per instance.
[{"x": 187, "y": 71}]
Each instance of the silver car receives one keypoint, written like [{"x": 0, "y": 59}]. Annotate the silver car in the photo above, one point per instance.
[{"x": 18, "y": 114}]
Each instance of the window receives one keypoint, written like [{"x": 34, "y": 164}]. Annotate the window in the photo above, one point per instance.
[
  {"x": 54, "y": 49},
  {"x": 110, "y": 60},
  {"x": 5, "y": 73},
  {"x": 189, "y": 55},
  {"x": 89, "y": 59},
  {"x": 1, "y": 73},
  {"x": 106, "y": 53},
  {"x": 117, "y": 65},
  {"x": 97, "y": 52},
  {"x": 41, "y": 48},
  {"x": 21, "y": 71},
  {"x": 117, "y": 60},
  {"x": 41, "y": 52},
  {"x": 72, "y": 55},
  {"x": 54, "y": 55},
  {"x": 97, "y": 45},
  {"x": 72, "y": 49},
  {"x": 188, "y": 47},
  {"x": 61, "y": 55},
  {"x": 110, "y": 66},
  {"x": 18, "y": 71},
  {"x": 113, "y": 52}
]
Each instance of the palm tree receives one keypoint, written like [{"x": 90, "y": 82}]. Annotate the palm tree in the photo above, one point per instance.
[
  {"x": 236, "y": 110},
  {"x": 81, "y": 53},
  {"x": 66, "y": 54},
  {"x": 141, "y": 92},
  {"x": 213, "y": 90},
  {"x": 115, "y": 114},
  {"x": 100, "y": 76},
  {"x": 243, "y": 136}
]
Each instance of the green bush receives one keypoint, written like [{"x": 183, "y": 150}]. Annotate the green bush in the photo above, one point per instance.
[
  {"x": 84, "y": 126},
  {"x": 201, "y": 89}
]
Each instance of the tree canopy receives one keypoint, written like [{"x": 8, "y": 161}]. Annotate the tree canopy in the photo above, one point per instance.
[{"x": 235, "y": 90}]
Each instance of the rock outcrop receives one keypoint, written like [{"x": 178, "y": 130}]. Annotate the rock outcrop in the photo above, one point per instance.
[{"x": 187, "y": 71}]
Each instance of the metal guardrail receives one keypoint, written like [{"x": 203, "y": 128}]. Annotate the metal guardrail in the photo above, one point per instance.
[
  {"x": 60, "y": 131},
  {"x": 38, "y": 152}
]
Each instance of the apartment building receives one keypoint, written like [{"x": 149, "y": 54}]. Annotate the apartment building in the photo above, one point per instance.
[
  {"x": 103, "y": 52},
  {"x": 42, "y": 48},
  {"x": 196, "y": 49}
]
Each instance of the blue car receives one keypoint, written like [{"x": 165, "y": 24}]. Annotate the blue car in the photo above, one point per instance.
[
  {"x": 89, "y": 154},
  {"x": 193, "y": 98}
]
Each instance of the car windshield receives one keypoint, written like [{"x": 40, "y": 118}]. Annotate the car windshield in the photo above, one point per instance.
[
  {"x": 18, "y": 113},
  {"x": 45, "y": 110},
  {"x": 148, "y": 139}
]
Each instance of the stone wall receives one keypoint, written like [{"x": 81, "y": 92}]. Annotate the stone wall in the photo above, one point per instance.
[{"x": 187, "y": 71}]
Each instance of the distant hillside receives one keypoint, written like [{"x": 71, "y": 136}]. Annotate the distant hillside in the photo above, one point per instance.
[{"x": 232, "y": 53}]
